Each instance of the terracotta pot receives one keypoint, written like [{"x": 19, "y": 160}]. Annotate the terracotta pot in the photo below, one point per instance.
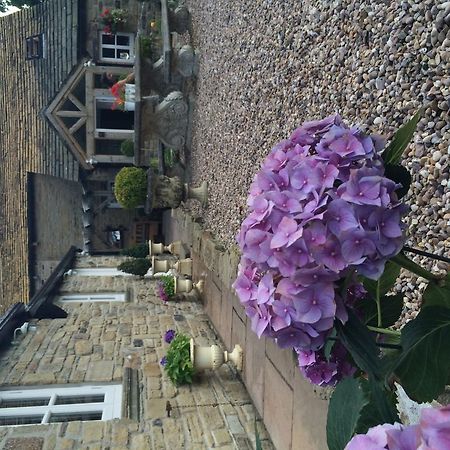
[
  {"x": 213, "y": 357},
  {"x": 160, "y": 265},
  {"x": 183, "y": 266},
  {"x": 200, "y": 193}
]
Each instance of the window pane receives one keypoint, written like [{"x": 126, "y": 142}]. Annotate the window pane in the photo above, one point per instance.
[
  {"x": 108, "y": 53},
  {"x": 21, "y": 402},
  {"x": 123, "y": 40},
  {"x": 20, "y": 420},
  {"x": 108, "y": 39},
  {"x": 71, "y": 417},
  {"x": 71, "y": 399},
  {"x": 123, "y": 53}
]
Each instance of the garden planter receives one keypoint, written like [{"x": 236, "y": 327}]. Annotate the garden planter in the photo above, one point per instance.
[
  {"x": 182, "y": 285},
  {"x": 184, "y": 266},
  {"x": 160, "y": 265},
  {"x": 175, "y": 248},
  {"x": 200, "y": 193},
  {"x": 213, "y": 357},
  {"x": 169, "y": 192},
  {"x": 155, "y": 249}
]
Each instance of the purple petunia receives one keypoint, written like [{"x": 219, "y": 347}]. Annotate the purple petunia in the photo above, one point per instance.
[
  {"x": 169, "y": 335},
  {"x": 320, "y": 208},
  {"x": 163, "y": 361}
]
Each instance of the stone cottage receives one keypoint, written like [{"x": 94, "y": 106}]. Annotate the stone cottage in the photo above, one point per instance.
[
  {"x": 60, "y": 140},
  {"x": 93, "y": 380}
]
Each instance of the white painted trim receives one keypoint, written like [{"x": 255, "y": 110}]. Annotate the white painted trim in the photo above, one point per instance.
[
  {"x": 97, "y": 297},
  {"x": 100, "y": 272},
  {"x": 115, "y": 47},
  {"x": 111, "y": 407}
]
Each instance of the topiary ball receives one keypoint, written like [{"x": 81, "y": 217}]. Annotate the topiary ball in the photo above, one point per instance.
[{"x": 130, "y": 187}]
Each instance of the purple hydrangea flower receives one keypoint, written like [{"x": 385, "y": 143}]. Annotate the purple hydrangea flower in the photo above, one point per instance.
[
  {"x": 320, "y": 207},
  {"x": 169, "y": 336}
]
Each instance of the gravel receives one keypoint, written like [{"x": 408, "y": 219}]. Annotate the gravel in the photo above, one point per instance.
[{"x": 267, "y": 65}]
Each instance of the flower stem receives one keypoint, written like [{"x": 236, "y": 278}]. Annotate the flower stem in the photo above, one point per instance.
[
  {"x": 423, "y": 253},
  {"x": 410, "y": 265},
  {"x": 384, "y": 331},
  {"x": 378, "y": 300}
]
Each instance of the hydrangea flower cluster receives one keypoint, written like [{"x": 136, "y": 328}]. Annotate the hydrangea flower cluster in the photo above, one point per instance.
[
  {"x": 432, "y": 433},
  {"x": 320, "y": 209}
]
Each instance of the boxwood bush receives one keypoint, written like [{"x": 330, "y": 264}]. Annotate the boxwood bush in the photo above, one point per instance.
[
  {"x": 130, "y": 187},
  {"x": 137, "y": 251},
  {"x": 136, "y": 266}
]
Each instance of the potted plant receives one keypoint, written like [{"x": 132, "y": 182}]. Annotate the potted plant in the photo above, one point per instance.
[
  {"x": 112, "y": 19},
  {"x": 130, "y": 187},
  {"x": 322, "y": 247},
  {"x": 184, "y": 358},
  {"x": 135, "y": 266},
  {"x": 165, "y": 287},
  {"x": 177, "y": 362}
]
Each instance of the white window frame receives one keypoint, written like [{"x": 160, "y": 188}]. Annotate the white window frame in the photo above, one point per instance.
[
  {"x": 130, "y": 48},
  {"x": 110, "y": 408},
  {"x": 92, "y": 298},
  {"x": 100, "y": 272}
]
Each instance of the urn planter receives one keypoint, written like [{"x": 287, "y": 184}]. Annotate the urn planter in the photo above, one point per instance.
[
  {"x": 212, "y": 357},
  {"x": 155, "y": 249},
  {"x": 160, "y": 265},
  {"x": 183, "y": 266},
  {"x": 182, "y": 285},
  {"x": 175, "y": 248}
]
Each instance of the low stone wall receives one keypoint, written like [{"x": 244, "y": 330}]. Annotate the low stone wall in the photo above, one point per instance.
[{"x": 294, "y": 412}]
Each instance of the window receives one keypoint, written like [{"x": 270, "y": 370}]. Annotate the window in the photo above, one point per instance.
[
  {"x": 60, "y": 404},
  {"x": 99, "y": 297},
  {"x": 117, "y": 47},
  {"x": 35, "y": 46},
  {"x": 99, "y": 272}
]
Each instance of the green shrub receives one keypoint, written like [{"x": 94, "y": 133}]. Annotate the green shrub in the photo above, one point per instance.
[
  {"x": 137, "y": 266},
  {"x": 146, "y": 43},
  {"x": 130, "y": 187},
  {"x": 137, "y": 251},
  {"x": 168, "y": 284},
  {"x": 127, "y": 148},
  {"x": 178, "y": 364},
  {"x": 154, "y": 164}
]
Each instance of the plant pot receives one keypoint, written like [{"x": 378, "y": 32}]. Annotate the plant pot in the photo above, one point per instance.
[
  {"x": 155, "y": 249},
  {"x": 213, "y": 357},
  {"x": 175, "y": 247},
  {"x": 183, "y": 266},
  {"x": 160, "y": 265},
  {"x": 200, "y": 193},
  {"x": 182, "y": 285}
]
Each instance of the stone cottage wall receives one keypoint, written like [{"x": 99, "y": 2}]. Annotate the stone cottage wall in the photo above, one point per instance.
[{"x": 96, "y": 343}]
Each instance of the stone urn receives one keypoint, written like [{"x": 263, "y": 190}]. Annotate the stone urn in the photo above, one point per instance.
[
  {"x": 160, "y": 265},
  {"x": 169, "y": 192},
  {"x": 156, "y": 249},
  {"x": 175, "y": 248},
  {"x": 212, "y": 357},
  {"x": 182, "y": 285},
  {"x": 183, "y": 266}
]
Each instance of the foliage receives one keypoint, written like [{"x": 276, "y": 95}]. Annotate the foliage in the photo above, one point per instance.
[
  {"x": 130, "y": 187},
  {"x": 111, "y": 18},
  {"x": 137, "y": 251},
  {"x": 127, "y": 148},
  {"x": 170, "y": 157},
  {"x": 146, "y": 45},
  {"x": 6, "y": 4},
  {"x": 154, "y": 164},
  {"x": 136, "y": 266},
  {"x": 165, "y": 287},
  {"x": 178, "y": 364},
  {"x": 321, "y": 253}
]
